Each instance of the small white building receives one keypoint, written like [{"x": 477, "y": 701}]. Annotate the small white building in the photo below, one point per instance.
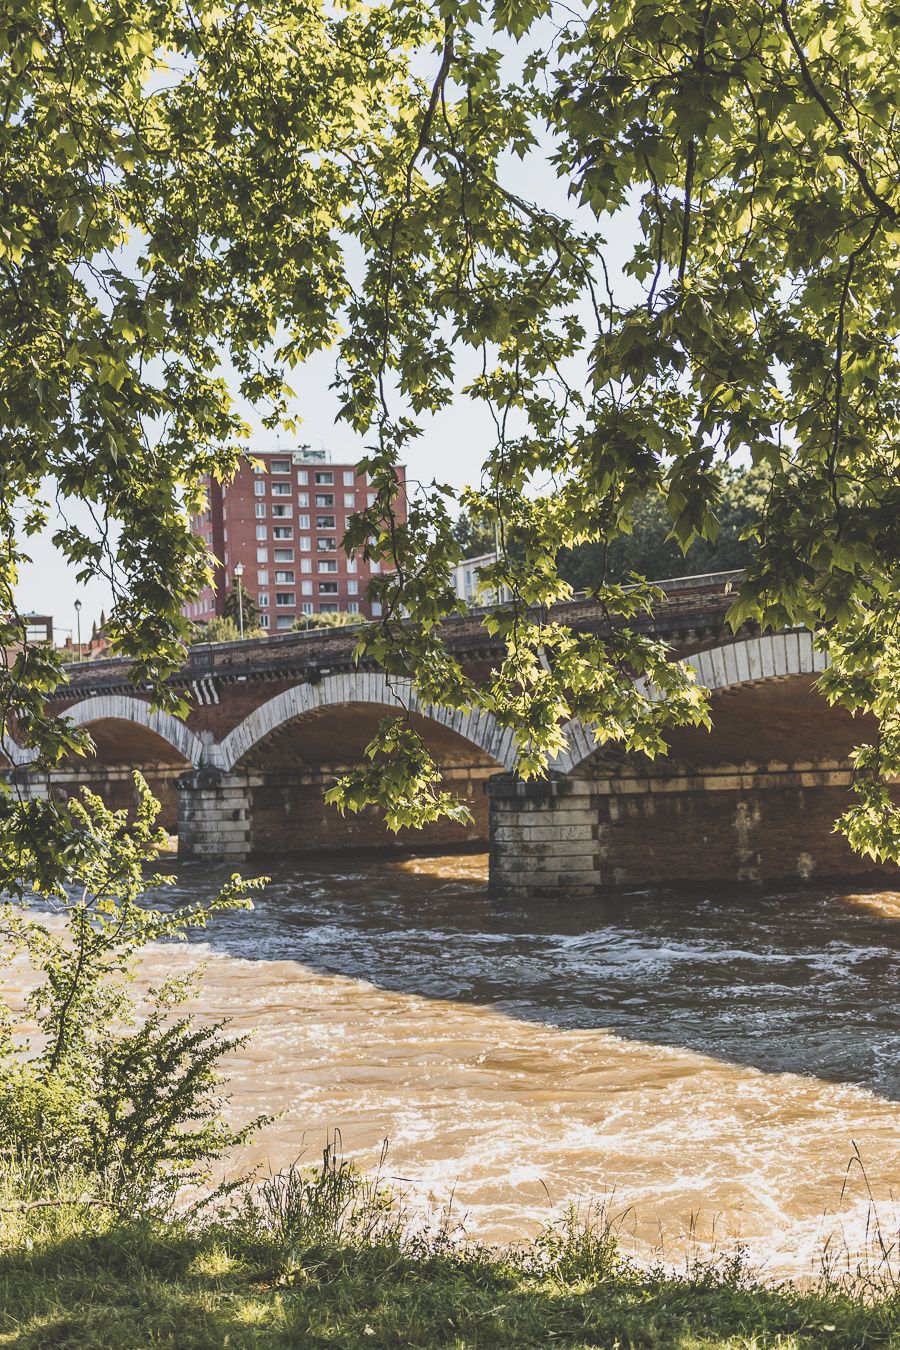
[{"x": 466, "y": 578}]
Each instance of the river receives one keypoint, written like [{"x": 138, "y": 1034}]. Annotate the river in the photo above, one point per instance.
[{"x": 704, "y": 1064}]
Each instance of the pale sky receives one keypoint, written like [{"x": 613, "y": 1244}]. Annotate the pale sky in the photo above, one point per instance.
[{"x": 452, "y": 449}]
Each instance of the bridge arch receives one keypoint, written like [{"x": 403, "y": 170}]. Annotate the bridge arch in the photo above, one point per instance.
[
  {"x": 743, "y": 661},
  {"x": 478, "y": 728},
  {"x": 125, "y": 708},
  {"x": 14, "y": 754}
]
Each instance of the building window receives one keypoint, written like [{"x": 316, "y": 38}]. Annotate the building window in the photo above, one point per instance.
[
  {"x": 263, "y": 620},
  {"x": 353, "y": 607},
  {"x": 303, "y": 499},
  {"x": 306, "y": 607},
  {"x": 324, "y": 499},
  {"x": 376, "y": 609},
  {"x": 280, "y": 466},
  {"x": 303, "y": 522},
  {"x": 259, "y": 468},
  {"x": 262, "y": 578},
  {"x": 261, "y": 532},
  {"x": 353, "y": 588},
  {"x": 284, "y": 555},
  {"x": 306, "y": 588},
  {"x": 262, "y": 555},
  {"x": 324, "y": 522},
  {"x": 260, "y": 510},
  {"x": 326, "y": 544},
  {"x": 326, "y": 608},
  {"x": 263, "y": 599},
  {"x": 283, "y": 532},
  {"x": 285, "y": 578},
  {"x": 284, "y": 622},
  {"x": 349, "y": 477},
  {"x": 302, "y": 476},
  {"x": 282, "y": 510},
  {"x": 306, "y": 564},
  {"x": 373, "y": 497},
  {"x": 349, "y": 500},
  {"x": 281, "y": 489},
  {"x": 328, "y": 588},
  {"x": 324, "y": 477},
  {"x": 327, "y": 565},
  {"x": 285, "y": 598},
  {"x": 305, "y": 543},
  {"x": 375, "y": 568},
  {"x": 351, "y": 564},
  {"x": 259, "y": 488}
]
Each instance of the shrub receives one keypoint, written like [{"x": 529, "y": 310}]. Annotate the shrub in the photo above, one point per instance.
[
  {"x": 132, "y": 1102},
  {"x": 341, "y": 619}
]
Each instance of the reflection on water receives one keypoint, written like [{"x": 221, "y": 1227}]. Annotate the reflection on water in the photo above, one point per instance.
[{"x": 692, "y": 1054}]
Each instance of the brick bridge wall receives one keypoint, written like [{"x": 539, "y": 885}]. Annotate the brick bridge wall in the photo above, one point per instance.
[{"x": 273, "y": 721}]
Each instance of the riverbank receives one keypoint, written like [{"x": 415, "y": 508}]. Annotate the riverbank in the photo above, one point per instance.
[{"x": 327, "y": 1260}]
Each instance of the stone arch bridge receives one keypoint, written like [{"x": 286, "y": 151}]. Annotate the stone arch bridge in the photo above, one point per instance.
[{"x": 272, "y": 721}]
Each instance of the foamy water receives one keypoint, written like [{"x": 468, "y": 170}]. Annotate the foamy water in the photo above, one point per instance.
[{"x": 708, "y": 1065}]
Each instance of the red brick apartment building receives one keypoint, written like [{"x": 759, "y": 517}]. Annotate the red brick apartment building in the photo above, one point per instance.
[{"x": 285, "y": 523}]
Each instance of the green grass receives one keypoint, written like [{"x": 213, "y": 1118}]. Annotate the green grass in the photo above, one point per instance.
[{"x": 325, "y": 1260}]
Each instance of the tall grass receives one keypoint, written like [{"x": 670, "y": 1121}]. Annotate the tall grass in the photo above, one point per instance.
[{"x": 328, "y": 1256}]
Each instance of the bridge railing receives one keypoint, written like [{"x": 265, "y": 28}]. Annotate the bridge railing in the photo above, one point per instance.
[{"x": 689, "y": 601}]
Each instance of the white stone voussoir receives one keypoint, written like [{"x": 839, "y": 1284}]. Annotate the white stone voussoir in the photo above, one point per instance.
[
  {"x": 478, "y": 728},
  {"x": 744, "y": 661}
]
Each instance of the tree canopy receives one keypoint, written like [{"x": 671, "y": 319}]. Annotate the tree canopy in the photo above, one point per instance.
[
  {"x": 649, "y": 548},
  {"x": 198, "y": 196}
]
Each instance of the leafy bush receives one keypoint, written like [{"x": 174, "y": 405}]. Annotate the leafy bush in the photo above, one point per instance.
[
  {"x": 132, "y": 1101},
  {"x": 341, "y": 619},
  {"x": 225, "y": 629}
]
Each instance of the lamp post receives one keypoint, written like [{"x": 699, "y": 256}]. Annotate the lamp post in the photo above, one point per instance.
[
  {"x": 238, "y": 575},
  {"x": 78, "y": 623}
]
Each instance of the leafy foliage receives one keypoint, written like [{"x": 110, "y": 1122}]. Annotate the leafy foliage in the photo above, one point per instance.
[
  {"x": 650, "y": 549},
  {"x": 131, "y": 1100},
  {"x": 401, "y": 778},
  {"x": 295, "y": 183}
]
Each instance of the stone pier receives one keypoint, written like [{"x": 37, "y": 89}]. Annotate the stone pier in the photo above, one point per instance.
[
  {"x": 544, "y": 838},
  {"x": 213, "y": 815}
]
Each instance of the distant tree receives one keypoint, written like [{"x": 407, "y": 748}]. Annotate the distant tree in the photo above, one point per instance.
[
  {"x": 475, "y": 538},
  {"x": 651, "y": 550},
  {"x": 232, "y": 607}
]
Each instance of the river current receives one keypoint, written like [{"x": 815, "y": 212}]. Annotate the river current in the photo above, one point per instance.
[{"x": 706, "y": 1065}]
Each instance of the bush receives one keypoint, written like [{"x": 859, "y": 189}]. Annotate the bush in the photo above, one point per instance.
[
  {"x": 342, "y": 619},
  {"x": 226, "y": 630},
  {"x": 132, "y": 1103}
]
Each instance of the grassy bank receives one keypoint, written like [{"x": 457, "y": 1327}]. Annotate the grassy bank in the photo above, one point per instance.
[{"x": 316, "y": 1260}]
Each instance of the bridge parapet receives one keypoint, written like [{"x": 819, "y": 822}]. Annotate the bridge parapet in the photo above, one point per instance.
[{"x": 692, "y": 614}]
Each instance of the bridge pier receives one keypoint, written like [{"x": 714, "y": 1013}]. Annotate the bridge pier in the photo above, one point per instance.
[
  {"x": 214, "y": 815},
  {"x": 543, "y": 838},
  {"x": 764, "y": 824}
]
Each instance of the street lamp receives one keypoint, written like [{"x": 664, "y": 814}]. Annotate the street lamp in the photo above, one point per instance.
[
  {"x": 238, "y": 574},
  {"x": 78, "y": 623}
]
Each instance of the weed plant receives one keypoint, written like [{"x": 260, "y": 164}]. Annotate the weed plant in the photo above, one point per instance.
[{"x": 89, "y": 1086}]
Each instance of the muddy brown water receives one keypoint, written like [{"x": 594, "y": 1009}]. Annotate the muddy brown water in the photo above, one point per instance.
[{"x": 707, "y": 1063}]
